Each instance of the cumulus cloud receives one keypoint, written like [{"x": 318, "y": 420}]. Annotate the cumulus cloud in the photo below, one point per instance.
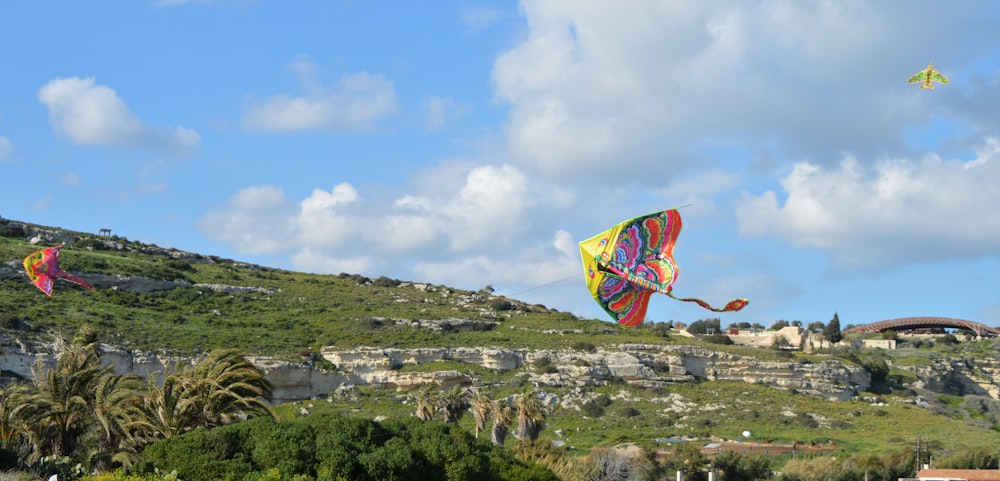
[
  {"x": 355, "y": 102},
  {"x": 482, "y": 226},
  {"x": 637, "y": 84},
  {"x": 254, "y": 221},
  {"x": 895, "y": 211},
  {"x": 92, "y": 114}
]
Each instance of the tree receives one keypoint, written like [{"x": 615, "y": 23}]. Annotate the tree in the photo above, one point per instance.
[
  {"x": 66, "y": 396},
  {"x": 19, "y": 407},
  {"x": 728, "y": 464},
  {"x": 117, "y": 399},
  {"x": 482, "y": 405},
  {"x": 705, "y": 326},
  {"x": 163, "y": 408},
  {"x": 832, "y": 330},
  {"x": 610, "y": 465},
  {"x": 815, "y": 327},
  {"x": 427, "y": 402},
  {"x": 221, "y": 389},
  {"x": 225, "y": 387},
  {"x": 454, "y": 402},
  {"x": 501, "y": 421},
  {"x": 530, "y": 416},
  {"x": 688, "y": 458},
  {"x": 778, "y": 326}
]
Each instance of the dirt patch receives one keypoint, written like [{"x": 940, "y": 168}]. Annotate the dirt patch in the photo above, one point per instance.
[{"x": 765, "y": 448}]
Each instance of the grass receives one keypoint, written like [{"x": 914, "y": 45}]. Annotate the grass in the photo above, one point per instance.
[{"x": 299, "y": 313}]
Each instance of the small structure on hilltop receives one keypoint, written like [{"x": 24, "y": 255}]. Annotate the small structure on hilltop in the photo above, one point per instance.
[{"x": 795, "y": 336}]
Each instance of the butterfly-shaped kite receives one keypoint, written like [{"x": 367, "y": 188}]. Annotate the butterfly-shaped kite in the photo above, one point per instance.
[
  {"x": 43, "y": 269},
  {"x": 627, "y": 263},
  {"x": 927, "y": 77}
]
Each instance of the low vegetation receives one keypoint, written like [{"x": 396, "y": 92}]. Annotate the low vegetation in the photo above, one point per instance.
[{"x": 216, "y": 308}]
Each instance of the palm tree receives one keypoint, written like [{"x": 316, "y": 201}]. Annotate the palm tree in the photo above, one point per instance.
[
  {"x": 162, "y": 410},
  {"x": 117, "y": 406},
  {"x": 18, "y": 407},
  {"x": 221, "y": 389},
  {"x": 482, "y": 404},
  {"x": 530, "y": 416},
  {"x": 455, "y": 402},
  {"x": 66, "y": 396},
  {"x": 501, "y": 421},
  {"x": 427, "y": 401},
  {"x": 225, "y": 387},
  {"x": 870, "y": 463}
]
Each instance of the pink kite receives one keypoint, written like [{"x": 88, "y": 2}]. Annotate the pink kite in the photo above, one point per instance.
[{"x": 43, "y": 269}]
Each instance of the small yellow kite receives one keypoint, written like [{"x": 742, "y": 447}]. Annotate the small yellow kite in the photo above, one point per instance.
[{"x": 928, "y": 76}]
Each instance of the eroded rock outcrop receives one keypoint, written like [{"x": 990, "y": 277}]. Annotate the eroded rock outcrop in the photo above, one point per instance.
[
  {"x": 646, "y": 365},
  {"x": 637, "y": 364},
  {"x": 959, "y": 376}
]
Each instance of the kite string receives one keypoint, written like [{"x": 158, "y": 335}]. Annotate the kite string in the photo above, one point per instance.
[{"x": 557, "y": 281}]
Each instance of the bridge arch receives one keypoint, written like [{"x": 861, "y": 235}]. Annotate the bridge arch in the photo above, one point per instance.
[{"x": 910, "y": 323}]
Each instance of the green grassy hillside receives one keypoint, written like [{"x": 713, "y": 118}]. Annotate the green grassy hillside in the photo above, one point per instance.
[{"x": 289, "y": 313}]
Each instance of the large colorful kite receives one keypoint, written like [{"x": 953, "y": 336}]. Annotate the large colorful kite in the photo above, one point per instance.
[
  {"x": 927, "y": 77},
  {"x": 43, "y": 269},
  {"x": 627, "y": 263}
]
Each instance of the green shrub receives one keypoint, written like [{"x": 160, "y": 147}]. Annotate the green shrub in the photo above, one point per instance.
[
  {"x": 543, "y": 365},
  {"x": 501, "y": 305},
  {"x": 721, "y": 339},
  {"x": 333, "y": 446},
  {"x": 383, "y": 281}
]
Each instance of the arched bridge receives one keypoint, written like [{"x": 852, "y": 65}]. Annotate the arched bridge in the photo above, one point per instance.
[{"x": 909, "y": 323}]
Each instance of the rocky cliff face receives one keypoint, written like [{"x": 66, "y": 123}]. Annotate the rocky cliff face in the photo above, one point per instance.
[
  {"x": 646, "y": 365},
  {"x": 637, "y": 364},
  {"x": 959, "y": 376}
]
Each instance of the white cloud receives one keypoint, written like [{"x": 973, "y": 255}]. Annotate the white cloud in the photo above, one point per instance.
[
  {"x": 897, "y": 211},
  {"x": 254, "y": 220},
  {"x": 441, "y": 111},
  {"x": 631, "y": 86},
  {"x": 312, "y": 261},
  {"x": 6, "y": 149},
  {"x": 320, "y": 221},
  {"x": 488, "y": 208},
  {"x": 538, "y": 264},
  {"x": 479, "y": 17},
  {"x": 355, "y": 102},
  {"x": 483, "y": 224},
  {"x": 93, "y": 114}
]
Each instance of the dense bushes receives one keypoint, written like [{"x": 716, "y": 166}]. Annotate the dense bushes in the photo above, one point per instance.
[{"x": 332, "y": 447}]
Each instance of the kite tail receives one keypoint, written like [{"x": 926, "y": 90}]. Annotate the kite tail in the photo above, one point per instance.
[
  {"x": 66, "y": 276},
  {"x": 733, "y": 305}
]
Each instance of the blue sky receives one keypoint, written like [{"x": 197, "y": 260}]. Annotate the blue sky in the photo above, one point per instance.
[{"x": 475, "y": 143}]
